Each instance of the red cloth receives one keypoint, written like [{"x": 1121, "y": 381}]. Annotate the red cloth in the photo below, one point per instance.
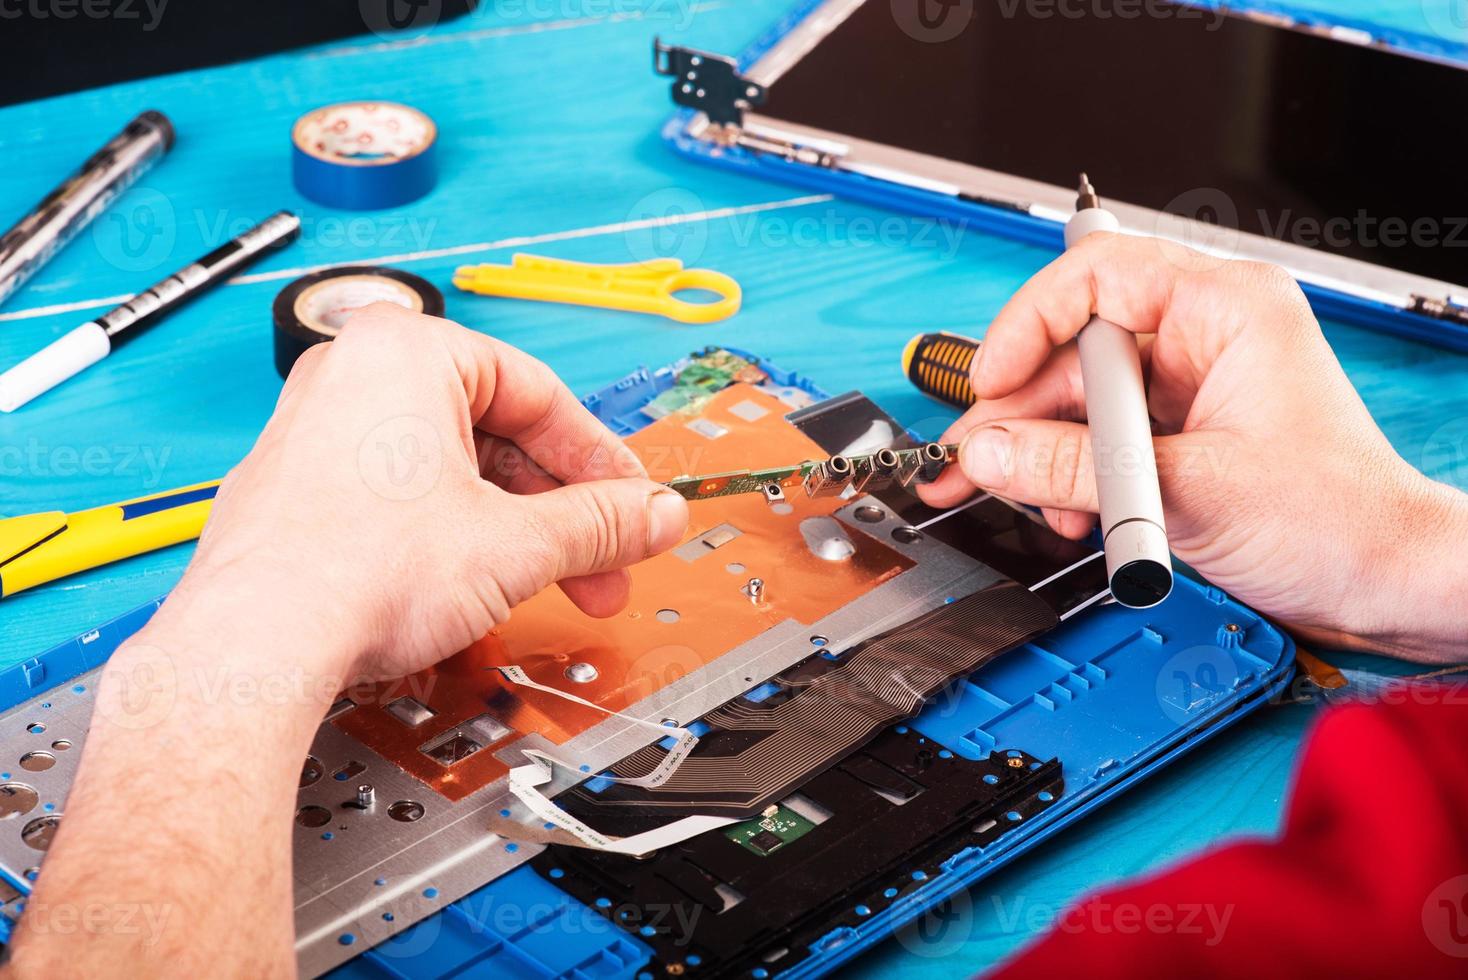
[{"x": 1370, "y": 877}]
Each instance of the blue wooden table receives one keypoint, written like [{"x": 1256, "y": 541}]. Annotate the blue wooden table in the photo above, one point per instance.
[{"x": 548, "y": 113}]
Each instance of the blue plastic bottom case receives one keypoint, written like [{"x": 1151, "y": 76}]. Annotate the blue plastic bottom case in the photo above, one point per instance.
[{"x": 1114, "y": 694}]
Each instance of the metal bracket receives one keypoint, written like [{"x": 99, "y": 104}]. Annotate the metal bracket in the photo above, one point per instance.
[
  {"x": 1447, "y": 308},
  {"x": 710, "y": 83}
]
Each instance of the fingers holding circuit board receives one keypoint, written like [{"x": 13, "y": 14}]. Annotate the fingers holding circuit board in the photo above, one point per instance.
[{"x": 865, "y": 473}]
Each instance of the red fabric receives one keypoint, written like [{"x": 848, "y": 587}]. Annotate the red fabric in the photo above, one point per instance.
[{"x": 1370, "y": 876}]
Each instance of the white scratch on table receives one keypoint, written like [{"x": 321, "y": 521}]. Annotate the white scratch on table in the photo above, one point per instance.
[
  {"x": 81, "y": 304},
  {"x": 437, "y": 253},
  {"x": 554, "y": 236}
]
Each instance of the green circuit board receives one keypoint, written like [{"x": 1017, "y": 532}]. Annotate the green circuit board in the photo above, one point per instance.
[
  {"x": 770, "y": 831},
  {"x": 740, "y": 481},
  {"x": 704, "y": 376},
  {"x": 824, "y": 478}
]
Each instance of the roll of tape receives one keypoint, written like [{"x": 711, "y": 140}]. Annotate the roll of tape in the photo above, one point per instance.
[
  {"x": 362, "y": 156},
  {"x": 314, "y": 308}
]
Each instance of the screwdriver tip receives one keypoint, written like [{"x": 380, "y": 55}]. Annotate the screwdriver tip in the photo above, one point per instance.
[{"x": 1086, "y": 196}]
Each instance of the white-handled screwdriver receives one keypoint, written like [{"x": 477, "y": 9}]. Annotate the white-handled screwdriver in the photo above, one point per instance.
[{"x": 1138, "y": 563}]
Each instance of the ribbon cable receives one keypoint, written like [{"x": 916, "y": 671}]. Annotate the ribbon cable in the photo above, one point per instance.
[{"x": 525, "y": 783}]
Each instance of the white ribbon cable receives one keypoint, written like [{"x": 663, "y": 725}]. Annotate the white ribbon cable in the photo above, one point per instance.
[{"x": 525, "y": 783}]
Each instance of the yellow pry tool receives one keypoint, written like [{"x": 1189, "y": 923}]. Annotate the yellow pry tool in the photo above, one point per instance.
[
  {"x": 38, "y": 548},
  {"x": 637, "y": 287}
]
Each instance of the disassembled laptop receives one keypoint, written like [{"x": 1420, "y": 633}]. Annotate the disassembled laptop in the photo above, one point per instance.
[
  {"x": 724, "y": 771},
  {"x": 786, "y": 635}
]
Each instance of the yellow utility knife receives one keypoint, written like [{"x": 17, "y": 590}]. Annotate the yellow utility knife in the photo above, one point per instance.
[{"x": 39, "y": 548}]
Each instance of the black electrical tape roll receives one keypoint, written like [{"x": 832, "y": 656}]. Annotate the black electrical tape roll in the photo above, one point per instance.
[{"x": 314, "y": 308}]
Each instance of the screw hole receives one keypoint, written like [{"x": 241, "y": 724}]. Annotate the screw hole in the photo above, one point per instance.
[
  {"x": 313, "y": 816},
  {"x": 38, "y": 833},
  {"x": 406, "y": 811},
  {"x": 311, "y": 771},
  {"x": 16, "y": 800},
  {"x": 906, "y": 535},
  {"x": 37, "y": 761}
]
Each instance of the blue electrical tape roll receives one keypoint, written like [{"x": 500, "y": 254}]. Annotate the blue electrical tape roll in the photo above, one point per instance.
[{"x": 363, "y": 156}]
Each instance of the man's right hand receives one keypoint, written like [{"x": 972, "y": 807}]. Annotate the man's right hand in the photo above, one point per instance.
[{"x": 1278, "y": 485}]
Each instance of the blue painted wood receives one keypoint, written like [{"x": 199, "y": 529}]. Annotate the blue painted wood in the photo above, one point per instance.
[{"x": 548, "y": 113}]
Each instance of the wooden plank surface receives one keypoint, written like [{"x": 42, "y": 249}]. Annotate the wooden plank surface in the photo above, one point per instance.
[{"x": 549, "y": 115}]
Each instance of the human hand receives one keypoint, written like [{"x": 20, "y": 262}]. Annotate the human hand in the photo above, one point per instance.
[
  {"x": 1278, "y": 486},
  {"x": 416, "y": 482}
]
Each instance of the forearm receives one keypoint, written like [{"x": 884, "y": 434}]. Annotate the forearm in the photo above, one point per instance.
[
  {"x": 188, "y": 782},
  {"x": 1416, "y": 576},
  {"x": 174, "y": 854}
]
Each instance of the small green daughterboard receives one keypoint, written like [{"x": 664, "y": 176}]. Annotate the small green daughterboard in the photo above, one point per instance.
[
  {"x": 769, "y": 831},
  {"x": 740, "y": 481}
]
